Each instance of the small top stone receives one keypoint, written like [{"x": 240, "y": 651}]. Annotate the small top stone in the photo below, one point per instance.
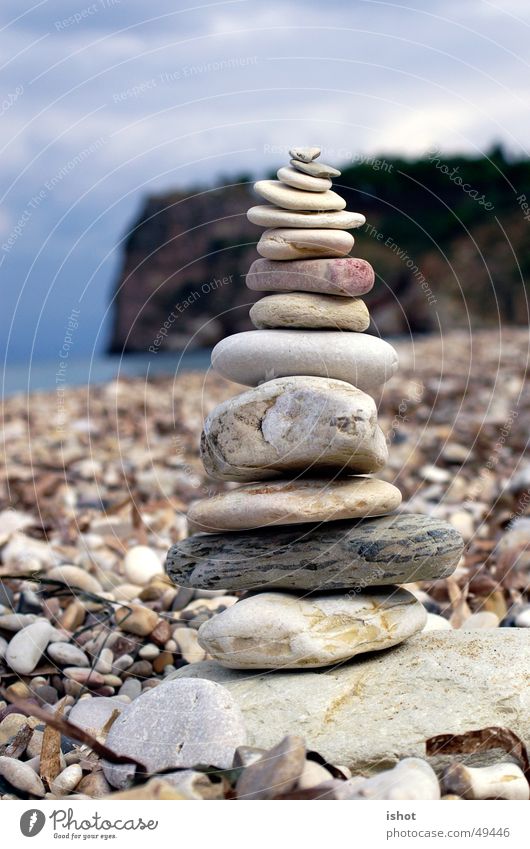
[{"x": 305, "y": 154}]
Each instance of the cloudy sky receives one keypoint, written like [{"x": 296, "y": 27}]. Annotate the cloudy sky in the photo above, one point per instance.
[{"x": 106, "y": 101}]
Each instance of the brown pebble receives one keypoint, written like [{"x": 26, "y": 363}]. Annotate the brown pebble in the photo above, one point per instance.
[
  {"x": 73, "y": 617},
  {"x": 94, "y": 785},
  {"x": 163, "y": 660},
  {"x": 136, "y": 619},
  {"x": 139, "y": 669},
  {"x": 18, "y": 690},
  {"x": 161, "y": 633}
]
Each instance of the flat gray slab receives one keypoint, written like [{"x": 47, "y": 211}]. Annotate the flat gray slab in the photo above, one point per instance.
[{"x": 370, "y": 713}]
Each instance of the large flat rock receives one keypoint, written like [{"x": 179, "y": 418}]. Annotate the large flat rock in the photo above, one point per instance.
[{"x": 370, "y": 713}]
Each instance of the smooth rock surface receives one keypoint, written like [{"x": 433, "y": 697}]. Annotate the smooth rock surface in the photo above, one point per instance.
[
  {"x": 177, "y": 724},
  {"x": 389, "y": 550},
  {"x": 289, "y": 198},
  {"x": 315, "y": 169},
  {"x": 411, "y": 778},
  {"x": 267, "y": 215},
  {"x": 347, "y": 276},
  {"x": 305, "y": 154},
  {"x": 293, "y": 424},
  {"x": 255, "y": 356},
  {"x": 286, "y": 244},
  {"x": 257, "y": 505},
  {"x": 66, "y": 654},
  {"x": 276, "y": 630},
  {"x": 93, "y": 714},
  {"x": 21, "y": 776},
  {"x": 141, "y": 564},
  {"x": 26, "y": 647},
  {"x": 447, "y": 681},
  {"x": 298, "y": 180},
  {"x": 309, "y": 310}
]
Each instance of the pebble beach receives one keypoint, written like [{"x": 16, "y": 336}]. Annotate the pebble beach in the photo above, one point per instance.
[{"x": 96, "y": 483}]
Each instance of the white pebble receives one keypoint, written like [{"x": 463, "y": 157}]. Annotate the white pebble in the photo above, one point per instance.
[
  {"x": 21, "y": 776},
  {"x": 67, "y": 780},
  {"x": 26, "y": 648},
  {"x": 142, "y": 564}
]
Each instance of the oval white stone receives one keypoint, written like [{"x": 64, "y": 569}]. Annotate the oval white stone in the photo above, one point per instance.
[
  {"x": 304, "y": 244},
  {"x": 26, "y": 648},
  {"x": 288, "y": 198},
  {"x": 254, "y": 356},
  {"x": 309, "y": 309},
  {"x": 268, "y": 215},
  {"x": 141, "y": 564},
  {"x": 278, "y": 630},
  {"x": 291, "y": 502},
  {"x": 298, "y": 180}
]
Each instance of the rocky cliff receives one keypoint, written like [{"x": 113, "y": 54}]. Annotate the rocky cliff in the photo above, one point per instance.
[{"x": 448, "y": 239}]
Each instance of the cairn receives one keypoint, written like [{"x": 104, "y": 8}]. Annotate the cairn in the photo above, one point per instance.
[{"x": 312, "y": 536}]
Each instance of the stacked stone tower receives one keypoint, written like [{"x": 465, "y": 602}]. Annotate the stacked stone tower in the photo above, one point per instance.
[{"x": 311, "y": 534}]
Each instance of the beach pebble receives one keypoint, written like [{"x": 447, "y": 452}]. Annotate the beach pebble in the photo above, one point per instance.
[
  {"x": 273, "y": 630},
  {"x": 389, "y": 550},
  {"x": 298, "y": 180},
  {"x": 522, "y": 619},
  {"x": 92, "y": 714},
  {"x": 437, "y": 623},
  {"x": 67, "y": 780},
  {"x": 136, "y": 619},
  {"x": 131, "y": 688},
  {"x": 498, "y": 781},
  {"x": 482, "y": 619},
  {"x": 285, "y": 244},
  {"x": 315, "y": 169},
  {"x": 267, "y": 215},
  {"x": 412, "y": 778},
  {"x": 149, "y": 651},
  {"x": 293, "y": 424},
  {"x": 178, "y": 724},
  {"x": 17, "y": 621},
  {"x": 27, "y": 646},
  {"x": 104, "y": 662},
  {"x": 74, "y": 576},
  {"x": 276, "y": 772},
  {"x": 289, "y": 502},
  {"x": 3, "y": 648},
  {"x": 11, "y": 725},
  {"x": 255, "y": 356},
  {"x": 288, "y": 198},
  {"x": 305, "y": 154},
  {"x": 21, "y": 776},
  {"x": 188, "y": 645},
  {"x": 82, "y": 675},
  {"x": 66, "y": 654},
  {"x": 346, "y": 276},
  {"x": 310, "y": 310},
  {"x": 141, "y": 565}
]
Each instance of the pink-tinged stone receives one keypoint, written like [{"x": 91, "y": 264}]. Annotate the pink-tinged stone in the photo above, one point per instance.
[{"x": 338, "y": 276}]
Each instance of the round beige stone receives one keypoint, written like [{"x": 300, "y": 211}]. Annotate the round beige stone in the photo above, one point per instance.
[
  {"x": 289, "y": 198},
  {"x": 283, "y": 244},
  {"x": 299, "y": 180},
  {"x": 305, "y": 154},
  {"x": 255, "y": 356},
  {"x": 268, "y": 215},
  {"x": 315, "y": 169},
  {"x": 310, "y": 310},
  {"x": 277, "y": 630},
  {"x": 290, "y": 502},
  {"x": 293, "y": 424}
]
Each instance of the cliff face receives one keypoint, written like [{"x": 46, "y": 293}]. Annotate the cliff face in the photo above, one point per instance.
[
  {"x": 444, "y": 255},
  {"x": 182, "y": 282}
]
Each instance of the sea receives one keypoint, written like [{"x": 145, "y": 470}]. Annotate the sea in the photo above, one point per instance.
[{"x": 41, "y": 376}]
